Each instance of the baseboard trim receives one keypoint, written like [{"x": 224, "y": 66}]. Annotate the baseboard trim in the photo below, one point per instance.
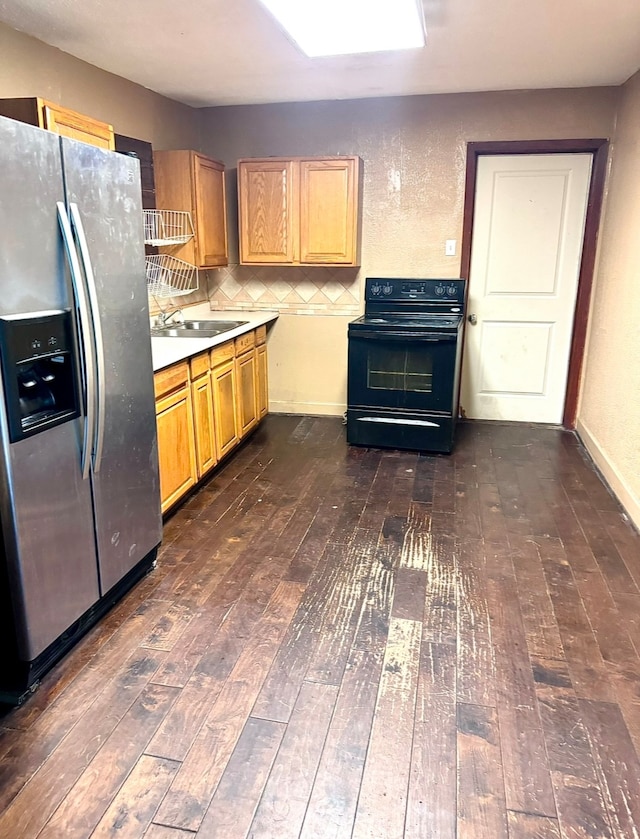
[
  {"x": 316, "y": 409},
  {"x": 622, "y": 491}
]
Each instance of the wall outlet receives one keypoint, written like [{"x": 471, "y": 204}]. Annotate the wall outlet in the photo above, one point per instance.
[{"x": 450, "y": 247}]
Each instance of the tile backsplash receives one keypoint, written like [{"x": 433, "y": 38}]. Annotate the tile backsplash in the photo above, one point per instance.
[{"x": 293, "y": 290}]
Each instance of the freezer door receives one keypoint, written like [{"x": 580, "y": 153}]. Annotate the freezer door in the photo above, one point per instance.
[
  {"x": 32, "y": 266},
  {"x": 46, "y": 525},
  {"x": 48, "y": 537},
  {"x": 105, "y": 189}
]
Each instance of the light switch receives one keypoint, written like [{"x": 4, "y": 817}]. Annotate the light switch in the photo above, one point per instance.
[{"x": 450, "y": 247}]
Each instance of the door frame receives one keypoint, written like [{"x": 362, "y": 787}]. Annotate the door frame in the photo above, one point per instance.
[{"x": 599, "y": 149}]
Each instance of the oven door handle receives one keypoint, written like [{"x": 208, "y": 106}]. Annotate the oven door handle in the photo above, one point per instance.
[{"x": 405, "y": 335}]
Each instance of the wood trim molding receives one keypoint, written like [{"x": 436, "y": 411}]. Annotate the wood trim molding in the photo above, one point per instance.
[{"x": 599, "y": 148}]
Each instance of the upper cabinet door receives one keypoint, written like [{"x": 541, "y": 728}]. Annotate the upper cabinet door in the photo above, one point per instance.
[
  {"x": 191, "y": 182},
  {"x": 328, "y": 211},
  {"x": 266, "y": 195},
  {"x": 210, "y": 212},
  {"x": 299, "y": 211},
  {"x": 77, "y": 126},
  {"x": 37, "y": 111}
]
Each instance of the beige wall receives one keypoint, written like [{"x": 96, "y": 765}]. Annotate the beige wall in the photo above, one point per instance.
[
  {"x": 308, "y": 364},
  {"x": 609, "y": 411},
  {"x": 30, "y": 68},
  {"x": 414, "y": 153}
]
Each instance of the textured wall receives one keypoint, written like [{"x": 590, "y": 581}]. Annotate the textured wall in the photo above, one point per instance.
[
  {"x": 30, "y": 68},
  {"x": 609, "y": 412},
  {"x": 414, "y": 153},
  {"x": 307, "y": 364}
]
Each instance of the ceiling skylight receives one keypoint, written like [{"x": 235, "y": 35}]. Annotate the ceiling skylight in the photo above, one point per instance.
[{"x": 344, "y": 27}]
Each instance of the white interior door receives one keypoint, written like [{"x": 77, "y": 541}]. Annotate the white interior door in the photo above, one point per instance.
[{"x": 526, "y": 250}]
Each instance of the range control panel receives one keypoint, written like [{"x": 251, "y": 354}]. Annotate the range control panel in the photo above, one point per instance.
[{"x": 397, "y": 289}]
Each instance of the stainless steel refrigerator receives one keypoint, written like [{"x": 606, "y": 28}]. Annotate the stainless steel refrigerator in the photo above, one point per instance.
[{"x": 79, "y": 489}]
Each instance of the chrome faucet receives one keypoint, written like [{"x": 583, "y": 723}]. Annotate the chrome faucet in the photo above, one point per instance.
[{"x": 163, "y": 319}]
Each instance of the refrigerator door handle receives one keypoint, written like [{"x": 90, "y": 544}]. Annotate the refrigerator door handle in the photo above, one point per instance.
[
  {"x": 97, "y": 333},
  {"x": 87, "y": 360}
]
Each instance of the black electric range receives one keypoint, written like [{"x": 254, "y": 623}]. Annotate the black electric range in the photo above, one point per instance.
[{"x": 404, "y": 364}]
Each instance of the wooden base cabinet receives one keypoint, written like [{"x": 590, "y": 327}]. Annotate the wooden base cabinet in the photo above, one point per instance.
[
  {"x": 68, "y": 123},
  {"x": 205, "y": 406},
  {"x": 262, "y": 386},
  {"x": 203, "y": 414},
  {"x": 300, "y": 211},
  {"x": 246, "y": 374},
  {"x": 174, "y": 418},
  {"x": 223, "y": 381}
]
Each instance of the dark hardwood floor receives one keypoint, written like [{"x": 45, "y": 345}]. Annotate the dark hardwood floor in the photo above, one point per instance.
[{"x": 343, "y": 642}]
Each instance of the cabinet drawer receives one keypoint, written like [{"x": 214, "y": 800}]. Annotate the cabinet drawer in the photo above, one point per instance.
[
  {"x": 261, "y": 334},
  {"x": 170, "y": 378},
  {"x": 219, "y": 355},
  {"x": 245, "y": 342},
  {"x": 199, "y": 365}
]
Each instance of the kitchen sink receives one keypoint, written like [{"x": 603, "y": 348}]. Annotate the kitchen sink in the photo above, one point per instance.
[
  {"x": 207, "y": 325},
  {"x": 197, "y": 328}
]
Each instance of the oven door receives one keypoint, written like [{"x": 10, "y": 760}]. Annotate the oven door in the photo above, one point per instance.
[{"x": 403, "y": 369}]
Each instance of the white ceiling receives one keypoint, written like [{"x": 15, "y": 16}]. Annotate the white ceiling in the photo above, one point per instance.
[{"x": 227, "y": 52}]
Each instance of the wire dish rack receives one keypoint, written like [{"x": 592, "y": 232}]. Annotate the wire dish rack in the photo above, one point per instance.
[
  {"x": 167, "y": 227},
  {"x": 168, "y": 276}
]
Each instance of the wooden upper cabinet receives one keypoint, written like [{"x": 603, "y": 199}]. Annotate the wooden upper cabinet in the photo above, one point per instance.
[
  {"x": 328, "y": 211},
  {"x": 266, "y": 209},
  {"x": 299, "y": 211},
  {"x": 211, "y": 215},
  {"x": 194, "y": 183},
  {"x": 68, "y": 123}
]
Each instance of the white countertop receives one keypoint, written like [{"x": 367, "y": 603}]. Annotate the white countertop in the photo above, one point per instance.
[{"x": 166, "y": 351}]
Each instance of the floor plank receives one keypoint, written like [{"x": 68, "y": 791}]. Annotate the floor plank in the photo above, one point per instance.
[
  {"x": 236, "y": 799},
  {"x": 332, "y": 805},
  {"x": 98, "y": 785},
  {"x": 354, "y": 643},
  {"x": 284, "y": 801},
  {"x": 383, "y": 793},
  {"x": 431, "y": 805},
  {"x": 131, "y": 811},
  {"x": 482, "y": 813},
  {"x": 186, "y": 802}
]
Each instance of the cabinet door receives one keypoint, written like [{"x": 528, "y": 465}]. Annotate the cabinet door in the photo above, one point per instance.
[
  {"x": 247, "y": 404},
  {"x": 173, "y": 177},
  {"x": 223, "y": 379},
  {"x": 193, "y": 183},
  {"x": 202, "y": 398},
  {"x": 174, "y": 418},
  {"x": 329, "y": 211},
  {"x": 77, "y": 126},
  {"x": 44, "y": 114},
  {"x": 266, "y": 199},
  {"x": 210, "y": 214},
  {"x": 262, "y": 389}
]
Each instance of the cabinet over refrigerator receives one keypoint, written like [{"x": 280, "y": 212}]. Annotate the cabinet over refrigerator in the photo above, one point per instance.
[{"x": 79, "y": 491}]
